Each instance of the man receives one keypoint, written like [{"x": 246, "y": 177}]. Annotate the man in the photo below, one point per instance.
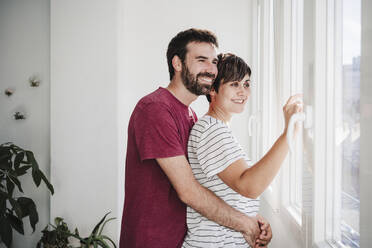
[{"x": 159, "y": 181}]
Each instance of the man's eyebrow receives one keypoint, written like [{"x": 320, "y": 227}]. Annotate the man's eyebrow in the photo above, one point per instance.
[{"x": 201, "y": 57}]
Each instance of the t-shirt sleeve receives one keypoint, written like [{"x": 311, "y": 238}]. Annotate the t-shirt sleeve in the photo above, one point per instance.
[
  {"x": 156, "y": 133},
  {"x": 217, "y": 149}
]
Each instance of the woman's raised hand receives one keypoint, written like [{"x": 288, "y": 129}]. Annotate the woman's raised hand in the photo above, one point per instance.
[{"x": 293, "y": 105}]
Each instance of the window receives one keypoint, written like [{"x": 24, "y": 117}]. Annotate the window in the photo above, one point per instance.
[
  {"x": 333, "y": 89},
  {"x": 279, "y": 75},
  {"x": 349, "y": 135},
  {"x": 316, "y": 52}
]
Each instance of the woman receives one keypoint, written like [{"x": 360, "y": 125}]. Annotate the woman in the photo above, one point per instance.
[{"x": 218, "y": 161}]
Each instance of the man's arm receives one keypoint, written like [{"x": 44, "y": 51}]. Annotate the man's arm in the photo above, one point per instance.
[{"x": 204, "y": 201}]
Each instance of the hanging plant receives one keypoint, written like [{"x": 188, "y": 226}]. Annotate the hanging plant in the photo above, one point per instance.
[
  {"x": 9, "y": 92},
  {"x": 19, "y": 116},
  {"x": 34, "y": 81}
]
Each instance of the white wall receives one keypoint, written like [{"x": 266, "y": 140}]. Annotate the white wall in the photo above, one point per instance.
[
  {"x": 105, "y": 55},
  {"x": 84, "y": 134},
  {"x": 24, "y": 51},
  {"x": 366, "y": 123},
  {"x": 148, "y": 26}
]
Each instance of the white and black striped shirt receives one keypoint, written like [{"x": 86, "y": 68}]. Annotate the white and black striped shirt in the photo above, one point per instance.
[{"x": 211, "y": 149}]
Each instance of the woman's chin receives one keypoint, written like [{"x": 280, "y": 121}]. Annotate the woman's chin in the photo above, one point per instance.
[{"x": 239, "y": 111}]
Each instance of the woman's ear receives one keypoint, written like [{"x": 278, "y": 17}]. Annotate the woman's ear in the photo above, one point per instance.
[
  {"x": 212, "y": 93},
  {"x": 177, "y": 63}
]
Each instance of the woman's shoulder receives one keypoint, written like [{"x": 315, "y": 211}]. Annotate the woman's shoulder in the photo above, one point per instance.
[{"x": 207, "y": 124}]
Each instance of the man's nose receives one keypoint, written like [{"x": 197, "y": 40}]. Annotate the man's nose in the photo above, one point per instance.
[{"x": 212, "y": 68}]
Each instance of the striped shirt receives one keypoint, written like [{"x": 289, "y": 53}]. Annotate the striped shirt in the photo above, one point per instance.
[{"x": 211, "y": 149}]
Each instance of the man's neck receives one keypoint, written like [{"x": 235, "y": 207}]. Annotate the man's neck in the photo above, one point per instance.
[{"x": 177, "y": 88}]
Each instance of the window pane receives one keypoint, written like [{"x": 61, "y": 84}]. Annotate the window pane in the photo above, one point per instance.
[{"x": 351, "y": 122}]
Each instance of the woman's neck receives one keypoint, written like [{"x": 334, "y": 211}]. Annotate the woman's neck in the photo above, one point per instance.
[{"x": 219, "y": 114}]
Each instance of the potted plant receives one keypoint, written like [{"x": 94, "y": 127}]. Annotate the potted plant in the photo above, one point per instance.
[
  {"x": 14, "y": 163},
  {"x": 96, "y": 238},
  {"x": 57, "y": 237}
]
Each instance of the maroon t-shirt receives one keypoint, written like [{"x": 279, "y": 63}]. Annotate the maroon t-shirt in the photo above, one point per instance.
[{"x": 153, "y": 215}]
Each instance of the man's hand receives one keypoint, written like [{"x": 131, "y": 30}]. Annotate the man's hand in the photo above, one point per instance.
[
  {"x": 252, "y": 230},
  {"x": 266, "y": 233}
]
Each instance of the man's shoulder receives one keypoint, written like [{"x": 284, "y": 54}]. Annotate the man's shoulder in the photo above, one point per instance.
[
  {"x": 159, "y": 96},
  {"x": 157, "y": 99}
]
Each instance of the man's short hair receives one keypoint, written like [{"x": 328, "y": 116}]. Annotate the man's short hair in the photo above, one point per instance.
[
  {"x": 177, "y": 46},
  {"x": 231, "y": 68}
]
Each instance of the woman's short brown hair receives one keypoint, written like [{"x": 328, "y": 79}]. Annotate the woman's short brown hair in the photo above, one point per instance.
[{"x": 231, "y": 68}]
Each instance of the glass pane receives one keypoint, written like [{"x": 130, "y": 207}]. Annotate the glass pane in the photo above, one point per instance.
[{"x": 351, "y": 122}]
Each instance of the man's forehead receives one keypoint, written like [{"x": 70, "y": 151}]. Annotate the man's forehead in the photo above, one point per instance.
[{"x": 201, "y": 48}]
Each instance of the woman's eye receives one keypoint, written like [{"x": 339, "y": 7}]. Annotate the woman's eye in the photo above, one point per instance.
[
  {"x": 235, "y": 84},
  {"x": 246, "y": 85}
]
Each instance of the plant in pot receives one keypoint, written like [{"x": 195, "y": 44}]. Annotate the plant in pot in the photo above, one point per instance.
[
  {"x": 96, "y": 238},
  {"x": 14, "y": 163},
  {"x": 57, "y": 237}
]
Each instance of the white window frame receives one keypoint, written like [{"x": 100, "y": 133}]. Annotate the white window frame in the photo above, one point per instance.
[
  {"x": 264, "y": 91},
  {"x": 291, "y": 83},
  {"x": 327, "y": 156},
  {"x": 318, "y": 219},
  {"x": 275, "y": 83},
  {"x": 327, "y": 161}
]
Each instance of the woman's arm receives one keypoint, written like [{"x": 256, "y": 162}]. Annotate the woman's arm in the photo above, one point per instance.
[{"x": 251, "y": 182}]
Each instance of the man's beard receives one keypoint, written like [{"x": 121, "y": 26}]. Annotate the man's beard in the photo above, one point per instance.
[{"x": 192, "y": 83}]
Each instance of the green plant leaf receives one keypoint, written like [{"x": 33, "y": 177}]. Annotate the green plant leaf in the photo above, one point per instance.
[
  {"x": 17, "y": 208},
  {"x": 36, "y": 176},
  {"x": 16, "y": 223},
  {"x": 2, "y": 205},
  {"x": 18, "y": 159},
  {"x": 47, "y": 183},
  {"x": 22, "y": 170},
  {"x": 35, "y": 168},
  {"x": 103, "y": 225},
  {"x": 88, "y": 241},
  {"x": 102, "y": 243},
  {"x": 5, "y": 165},
  {"x": 30, "y": 206},
  {"x": 3, "y": 194},
  {"x": 16, "y": 182},
  {"x": 9, "y": 187},
  {"x": 58, "y": 221},
  {"x": 6, "y": 232},
  {"x": 95, "y": 230},
  {"x": 106, "y": 237},
  {"x": 5, "y": 158},
  {"x": 31, "y": 159}
]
